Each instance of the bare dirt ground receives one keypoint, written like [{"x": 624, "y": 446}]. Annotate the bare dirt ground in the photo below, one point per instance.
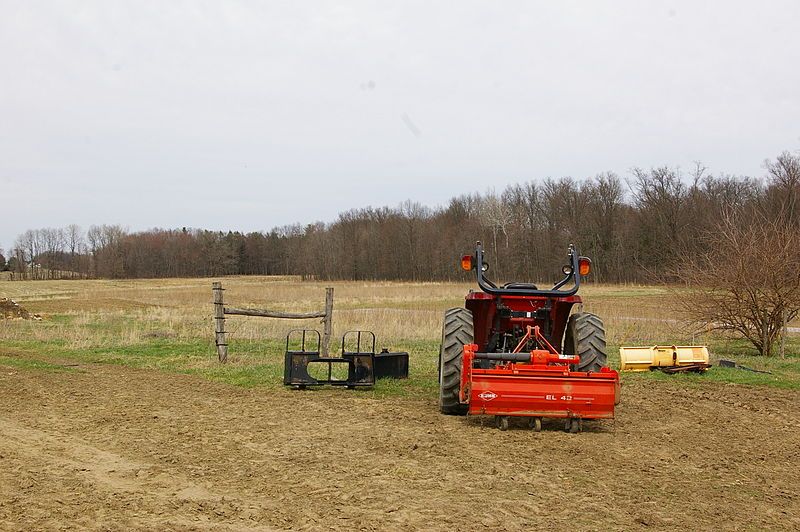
[{"x": 112, "y": 448}]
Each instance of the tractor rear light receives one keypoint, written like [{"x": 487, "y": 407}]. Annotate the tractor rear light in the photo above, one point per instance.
[
  {"x": 466, "y": 263},
  {"x": 584, "y": 265}
]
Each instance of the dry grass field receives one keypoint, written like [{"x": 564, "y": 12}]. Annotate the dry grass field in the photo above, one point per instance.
[{"x": 116, "y": 415}]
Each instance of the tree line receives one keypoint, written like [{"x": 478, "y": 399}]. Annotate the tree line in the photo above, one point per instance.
[{"x": 633, "y": 229}]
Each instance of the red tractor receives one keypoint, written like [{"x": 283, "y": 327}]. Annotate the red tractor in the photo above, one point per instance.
[{"x": 516, "y": 350}]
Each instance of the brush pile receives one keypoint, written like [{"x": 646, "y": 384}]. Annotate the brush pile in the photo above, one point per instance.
[{"x": 10, "y": 310}]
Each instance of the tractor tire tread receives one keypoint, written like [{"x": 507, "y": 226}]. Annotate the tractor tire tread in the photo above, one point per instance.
[
  {"x": 586, "y": 337},
  {"x": 457, "y": 330}
]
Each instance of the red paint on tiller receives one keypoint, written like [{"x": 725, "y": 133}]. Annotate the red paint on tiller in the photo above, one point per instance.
[{"x": 542, "y": 386}]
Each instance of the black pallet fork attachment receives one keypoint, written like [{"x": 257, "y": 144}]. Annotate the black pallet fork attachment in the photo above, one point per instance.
[
  {"x": 363, "y": 360},
  {"x": 386, "y": 365},
  {"x": 360, "y": 368}
]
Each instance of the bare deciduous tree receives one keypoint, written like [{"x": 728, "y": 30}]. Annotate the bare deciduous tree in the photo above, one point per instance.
[
  {"x": 784, "y": 197},
  {"x": 747, "y": 280},
  {"x": 495, "y": 214}
]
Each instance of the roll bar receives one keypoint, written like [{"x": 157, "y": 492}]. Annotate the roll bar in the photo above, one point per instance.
[{"x": 511, "y": 290}]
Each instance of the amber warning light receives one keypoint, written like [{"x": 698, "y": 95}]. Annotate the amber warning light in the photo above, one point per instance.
[
  {"x": 584, "y": 265},
  {"x": 466, "y": 262}
]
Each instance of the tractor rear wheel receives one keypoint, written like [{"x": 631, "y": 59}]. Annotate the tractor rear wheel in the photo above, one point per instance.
[
  {"x": 456, "y": 332},
  {"x": 586, "y": 337}
]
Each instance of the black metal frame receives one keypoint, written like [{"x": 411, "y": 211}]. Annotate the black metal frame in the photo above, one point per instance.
[
  {"x": 384, "y": 364},
  {"x": 360, "y": 368},
  {"x": 363, "y": 361},
  {"x": 358, "y": 335},
  {"x": 511, "y": 290}
]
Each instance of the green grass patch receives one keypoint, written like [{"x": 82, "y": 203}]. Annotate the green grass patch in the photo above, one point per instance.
[
  {"x": 156, "y": 354},
  {"x": 789, "y": 380},
  {"x": 266, "y": 375},
  {"x": 30, "y": 364},
  {"x": 260, "y": 363},
  {"x": 251, "y": 364}
]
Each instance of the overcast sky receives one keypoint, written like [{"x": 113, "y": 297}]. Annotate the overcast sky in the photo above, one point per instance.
[{"x": 247, "y": 115}]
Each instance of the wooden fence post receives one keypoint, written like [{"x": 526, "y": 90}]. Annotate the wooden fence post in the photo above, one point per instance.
[
  {"x": 327, "y": 321},
  {"x": 219, "y": 322}
]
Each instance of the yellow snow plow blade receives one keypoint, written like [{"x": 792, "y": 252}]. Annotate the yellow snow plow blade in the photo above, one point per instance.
[{"x": 644, "y": 358}]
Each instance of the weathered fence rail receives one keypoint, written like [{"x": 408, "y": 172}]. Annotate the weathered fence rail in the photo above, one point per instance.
[
  {"x": 273, "y": 314},
  {"x": 220, "y": 310}
]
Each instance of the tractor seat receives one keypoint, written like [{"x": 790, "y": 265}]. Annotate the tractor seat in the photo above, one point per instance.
[{"x": 526, "y": 286}]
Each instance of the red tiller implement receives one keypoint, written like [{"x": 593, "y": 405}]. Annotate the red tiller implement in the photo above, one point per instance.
[
  {"x": 536, "y": 384},
  {"x": 516, "y": 350}
]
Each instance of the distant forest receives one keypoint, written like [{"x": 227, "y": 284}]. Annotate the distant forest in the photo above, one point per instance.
[{"x": 633, "y": 229}]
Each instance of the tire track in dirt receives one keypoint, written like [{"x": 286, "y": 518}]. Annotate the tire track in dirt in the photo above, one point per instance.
[
  {"x": 107, "y": 470},
  {"x": 54, "y": 456}
]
